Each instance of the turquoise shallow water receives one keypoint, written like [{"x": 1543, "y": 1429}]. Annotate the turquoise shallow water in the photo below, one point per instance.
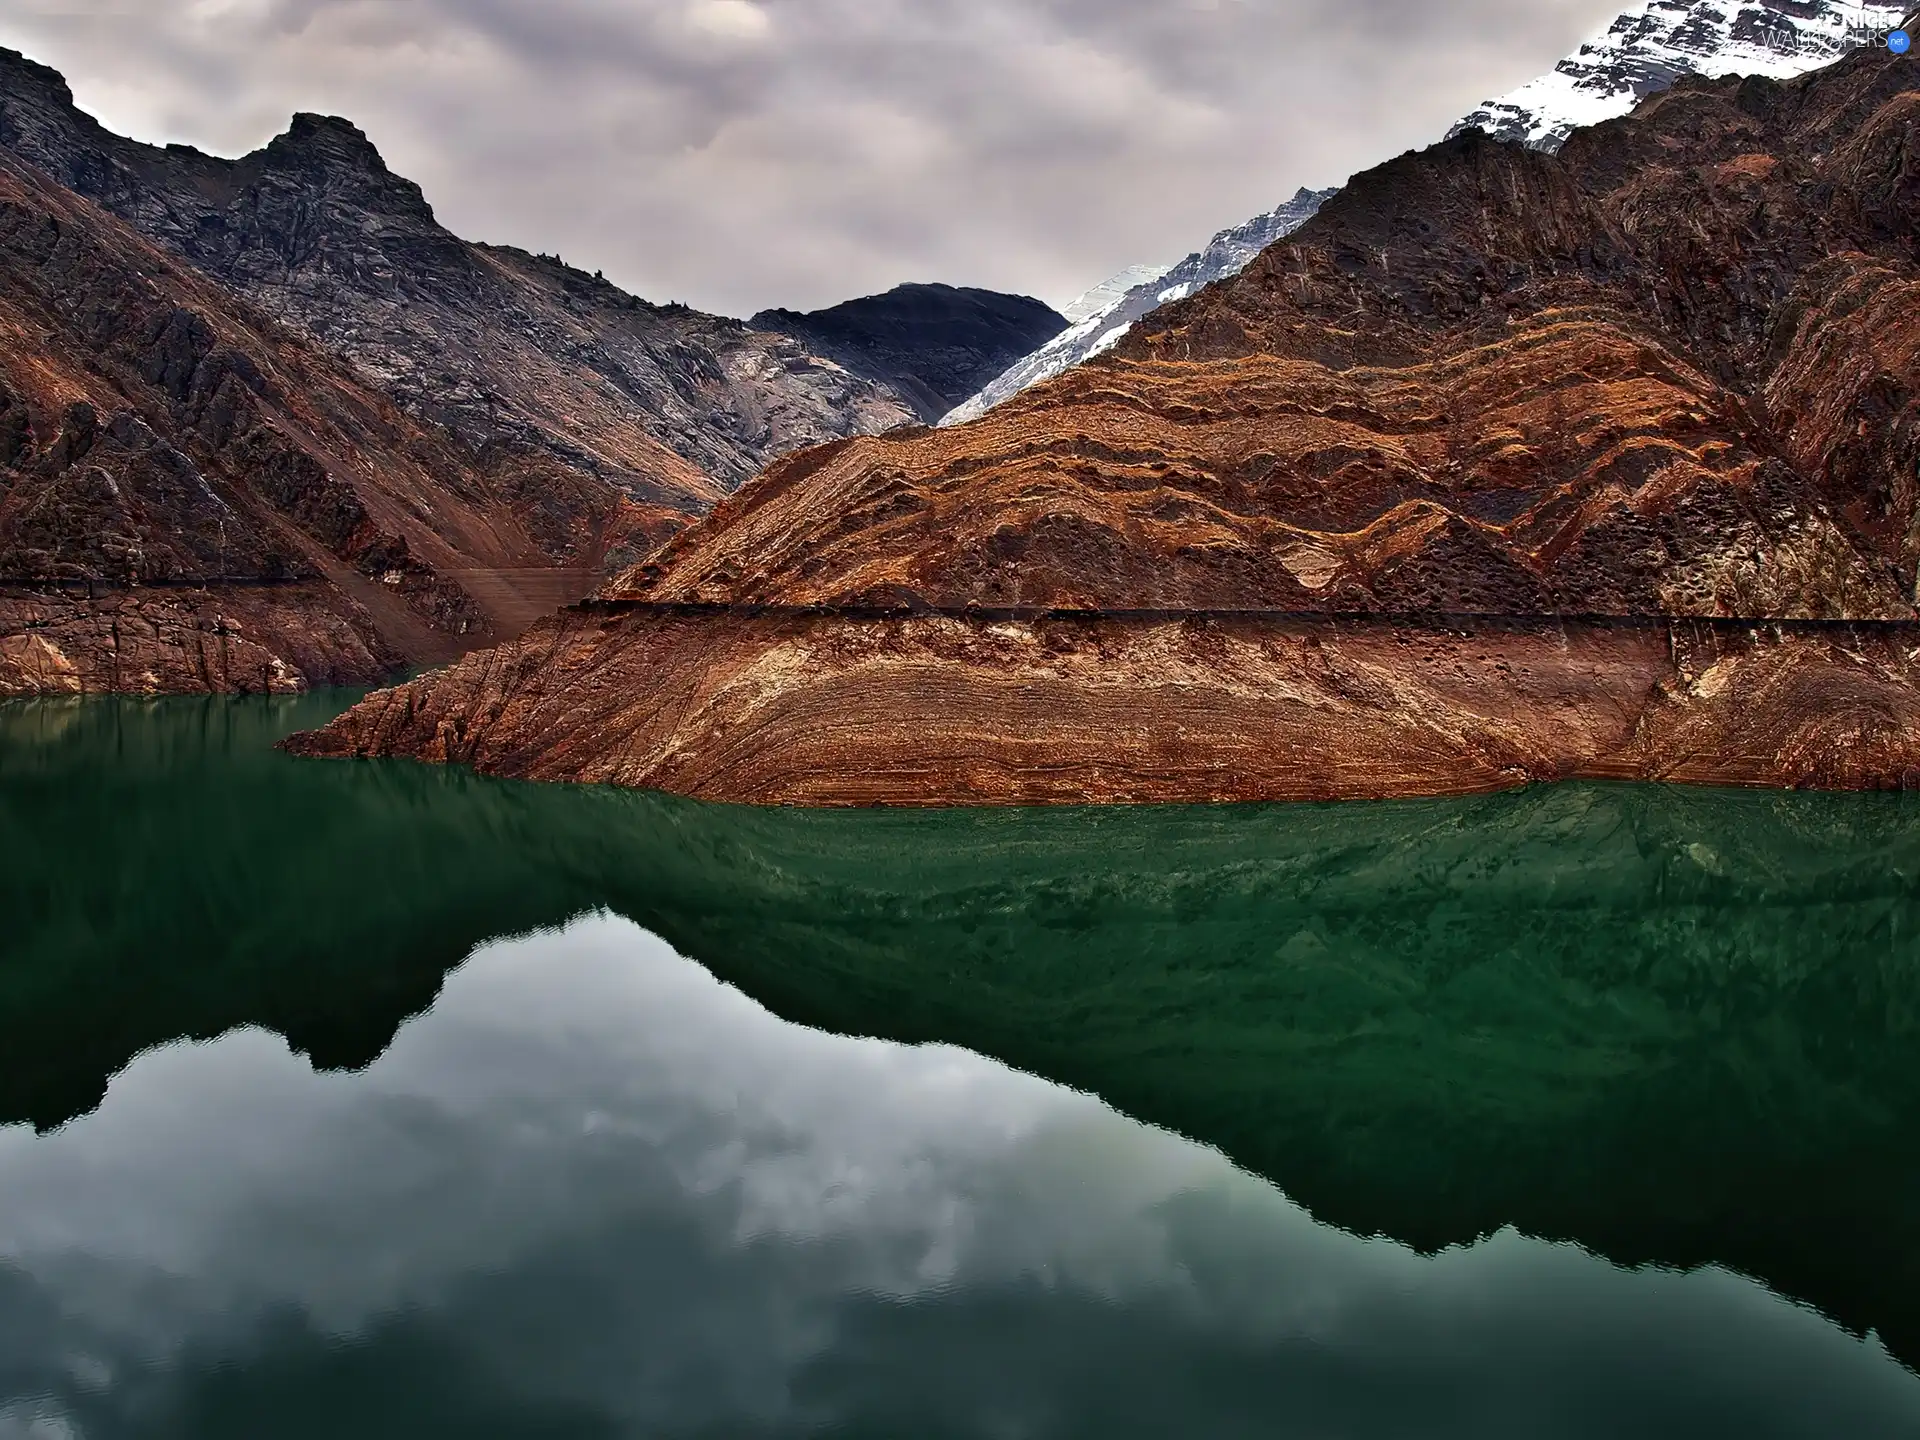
[{"x": 1621, "y": 1082}]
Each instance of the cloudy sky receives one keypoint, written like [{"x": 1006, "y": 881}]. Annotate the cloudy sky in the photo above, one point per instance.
[{"x": 734, "y": 154}]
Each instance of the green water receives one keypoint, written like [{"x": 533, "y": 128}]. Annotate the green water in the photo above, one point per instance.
[{"x": 1675, "y": 1027}]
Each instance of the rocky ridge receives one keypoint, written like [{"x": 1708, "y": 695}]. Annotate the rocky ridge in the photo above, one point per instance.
[
  {"x": 1506, "y": 466},
  {"x": 1646, "y": 48},
  {"x": 494, "y": 432}
]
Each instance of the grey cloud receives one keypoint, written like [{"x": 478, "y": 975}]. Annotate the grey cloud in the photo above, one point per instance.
[{"x": 741, "y": 153}]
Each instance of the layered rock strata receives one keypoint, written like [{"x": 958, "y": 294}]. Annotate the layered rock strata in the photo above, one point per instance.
[
  {"x": 832, "y": 710},
  {"x": 1506, "y": 466}
]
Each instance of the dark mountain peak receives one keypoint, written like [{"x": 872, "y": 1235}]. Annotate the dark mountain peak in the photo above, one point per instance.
[
  {"x": 330, "y": 138},
  {"x": 18, "y": 72},
  {"x": 327, "y": 154},
  {"x": 924, "y": 299},
  {"x": 935, "y": 343},
  {"x": 327, "y": 143}
]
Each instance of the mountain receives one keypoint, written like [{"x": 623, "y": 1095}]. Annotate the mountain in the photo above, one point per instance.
[
  {"x": 515, "y": 354},
  {"x": 1653, "y": 44},
  {"x": 193, "y": 498},
  {"x": 1507, "y": 466},
  {"x": 265, "y": 422},
  {"x": 1645, "y": 50},
  {"x": 1100, "y": 325},
  {"x": 933, "y": 344}
]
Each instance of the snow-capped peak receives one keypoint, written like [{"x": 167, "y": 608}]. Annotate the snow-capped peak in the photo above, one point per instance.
[
  {"x": 1651, "y": 45},
  {"x": 1099, "y": 327}
]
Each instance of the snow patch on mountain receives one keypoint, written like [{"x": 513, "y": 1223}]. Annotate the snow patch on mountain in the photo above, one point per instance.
[
  {"x": 1101, "y": 329},
  {"x": 1109, "y": 292},
  {"x": 1651, "y": 45}
]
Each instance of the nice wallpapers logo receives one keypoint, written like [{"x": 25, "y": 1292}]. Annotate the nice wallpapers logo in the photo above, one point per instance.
[{"x": 1778, "y": 33}]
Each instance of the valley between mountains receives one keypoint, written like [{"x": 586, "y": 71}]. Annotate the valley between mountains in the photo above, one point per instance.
[{"x": 1505, "y": 466}]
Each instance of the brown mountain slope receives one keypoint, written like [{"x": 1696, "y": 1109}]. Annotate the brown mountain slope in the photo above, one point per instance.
[
  {"x": 517, "y": 355},
  {"x": 1603, "y": 402},
  {"x": 191, "y": 498}
]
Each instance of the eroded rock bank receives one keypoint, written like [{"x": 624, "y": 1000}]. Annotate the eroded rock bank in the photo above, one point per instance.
[
  {"x": 238, "y": 640},
  {"x": 836, "y": 711}
]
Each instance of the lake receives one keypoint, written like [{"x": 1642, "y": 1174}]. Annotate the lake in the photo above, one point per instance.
[{"x": 370, "y": 1099}]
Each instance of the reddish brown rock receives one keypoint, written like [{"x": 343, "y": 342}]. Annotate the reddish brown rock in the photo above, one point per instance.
[
  {"x": 1507, "y": 466},
  {"x": 829, "y": 710},
  {"x": 1670, "y": 370},
  {"x": 241, "y": 639}
]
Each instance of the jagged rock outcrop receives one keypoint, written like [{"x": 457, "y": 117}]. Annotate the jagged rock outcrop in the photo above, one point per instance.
[
  {"x": 1506, "y": 466},
  {"x": 516, "y": 354},
  {"x": 933, "y": 344}
]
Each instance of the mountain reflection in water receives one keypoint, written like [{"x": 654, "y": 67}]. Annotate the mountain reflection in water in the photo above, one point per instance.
[{"x": 593, "y": 1191}]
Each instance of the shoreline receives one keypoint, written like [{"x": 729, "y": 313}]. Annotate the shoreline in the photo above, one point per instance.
[{"x": 935, "y": 711}]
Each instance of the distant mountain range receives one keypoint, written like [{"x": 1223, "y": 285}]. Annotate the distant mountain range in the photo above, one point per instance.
[{"x": 1644, "y": 50}]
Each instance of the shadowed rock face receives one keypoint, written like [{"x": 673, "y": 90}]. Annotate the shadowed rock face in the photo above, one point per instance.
[
  {"x": 1666, "y": 375},
  {"x": 514, "y": 353},
  {"x": 934, "y": 344}
]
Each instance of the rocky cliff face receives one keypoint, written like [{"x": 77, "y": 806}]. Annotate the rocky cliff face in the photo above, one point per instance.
[
  {"x": 933, "y": 344},
  {"x": 273, "y": 402},
  {"x": 515, "y": 354},
  {"x": 1506, "y": 466},
  {"x": 191, "y": 498}
]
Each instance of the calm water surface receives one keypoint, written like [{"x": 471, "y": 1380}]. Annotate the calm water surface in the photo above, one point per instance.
[{"x": 378, "y": 1100}]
